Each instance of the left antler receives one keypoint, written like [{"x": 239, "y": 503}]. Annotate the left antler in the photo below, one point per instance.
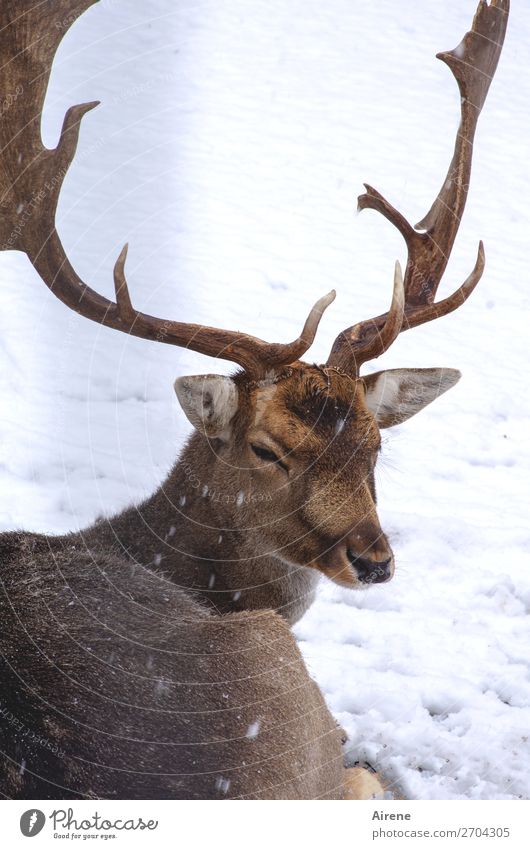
[
  {"x": 473, "y": 65},
  {"x": 31, "y": 177}
]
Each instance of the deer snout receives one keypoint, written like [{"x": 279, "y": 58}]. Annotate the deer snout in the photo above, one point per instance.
[
  {"x": 369, "y": 570},
  {"x": 369, "y": 554},
  {"x": 359, "y": 560}
]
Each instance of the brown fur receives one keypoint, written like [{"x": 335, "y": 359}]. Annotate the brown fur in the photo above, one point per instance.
[
  {"x": 242, "y": 534},
  {"x": 132, "y": 689},
  {"x": 119, "y": 683},
  {"x": 124, "y": 677}
]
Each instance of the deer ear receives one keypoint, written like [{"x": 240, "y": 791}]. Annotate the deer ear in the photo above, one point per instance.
[
  {"x": 395, "y": 395},
  {"x": 209, "y": 401}
]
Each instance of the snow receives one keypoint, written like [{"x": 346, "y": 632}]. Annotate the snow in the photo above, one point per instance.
[
  {"x": 230, "y": 146},
  {"x": 253, "y": 729},
  {"x": 222, "y": 784}
]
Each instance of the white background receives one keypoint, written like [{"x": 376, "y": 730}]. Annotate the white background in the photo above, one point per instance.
[{"x": 308, "y": 824}]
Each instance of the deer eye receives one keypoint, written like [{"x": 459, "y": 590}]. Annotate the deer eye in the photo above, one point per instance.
[{"x": 268, "y": 456}]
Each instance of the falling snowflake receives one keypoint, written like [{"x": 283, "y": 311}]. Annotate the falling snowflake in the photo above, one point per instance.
[
  {"x": 222, "y": 784},
  {"x": 253, "y": 729}
]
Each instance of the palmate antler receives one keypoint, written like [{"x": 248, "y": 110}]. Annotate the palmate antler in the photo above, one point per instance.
[
  {"x": 473, "y": 65},
  {"x": 31, "y": 177}
]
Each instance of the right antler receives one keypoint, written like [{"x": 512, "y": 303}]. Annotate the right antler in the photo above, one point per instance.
[
  {"x": 31, "y": 177},
  {"x": 473, "y": 64}
]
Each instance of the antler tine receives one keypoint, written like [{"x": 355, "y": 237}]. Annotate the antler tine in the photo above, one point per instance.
[
  {"x": 123, "y": 299},
  {"x": 307, "y": 336},
  {"x": 429, "y": 244},
  {"x": 251, "y": 353},
  {"x": 31, "y": 178},
  {"x": 365, "y": 342}
]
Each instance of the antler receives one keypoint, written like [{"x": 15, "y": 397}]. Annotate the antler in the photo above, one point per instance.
[
  {"x": 31, "y": 177},
  {"x": 473, "y": 65}
]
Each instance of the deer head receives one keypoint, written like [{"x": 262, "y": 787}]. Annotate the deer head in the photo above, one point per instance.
[
  {"x": 298, "y": 450},
  {"x": 300, "y": 439}
]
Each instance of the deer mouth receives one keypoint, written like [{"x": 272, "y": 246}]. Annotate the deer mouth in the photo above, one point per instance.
[
  {"x": 342, "y": 574},
  {"x": 338, "y": 569},
  {"x": 343, "y": 568}
]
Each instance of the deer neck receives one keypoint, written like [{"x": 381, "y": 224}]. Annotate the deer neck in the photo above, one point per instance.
[{"x": 193, "y": 532}]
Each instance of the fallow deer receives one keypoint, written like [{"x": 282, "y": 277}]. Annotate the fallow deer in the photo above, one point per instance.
[{"x": 149, "y": 656}]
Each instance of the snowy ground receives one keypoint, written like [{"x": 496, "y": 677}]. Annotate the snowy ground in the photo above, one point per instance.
[{"x": 232, "y": 141}]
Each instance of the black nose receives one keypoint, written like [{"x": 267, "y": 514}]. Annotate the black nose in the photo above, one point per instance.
[{"x": 371, "y": 571}]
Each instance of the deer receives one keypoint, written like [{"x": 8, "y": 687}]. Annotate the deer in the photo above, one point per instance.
[{"x": 151, "y": 654}]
